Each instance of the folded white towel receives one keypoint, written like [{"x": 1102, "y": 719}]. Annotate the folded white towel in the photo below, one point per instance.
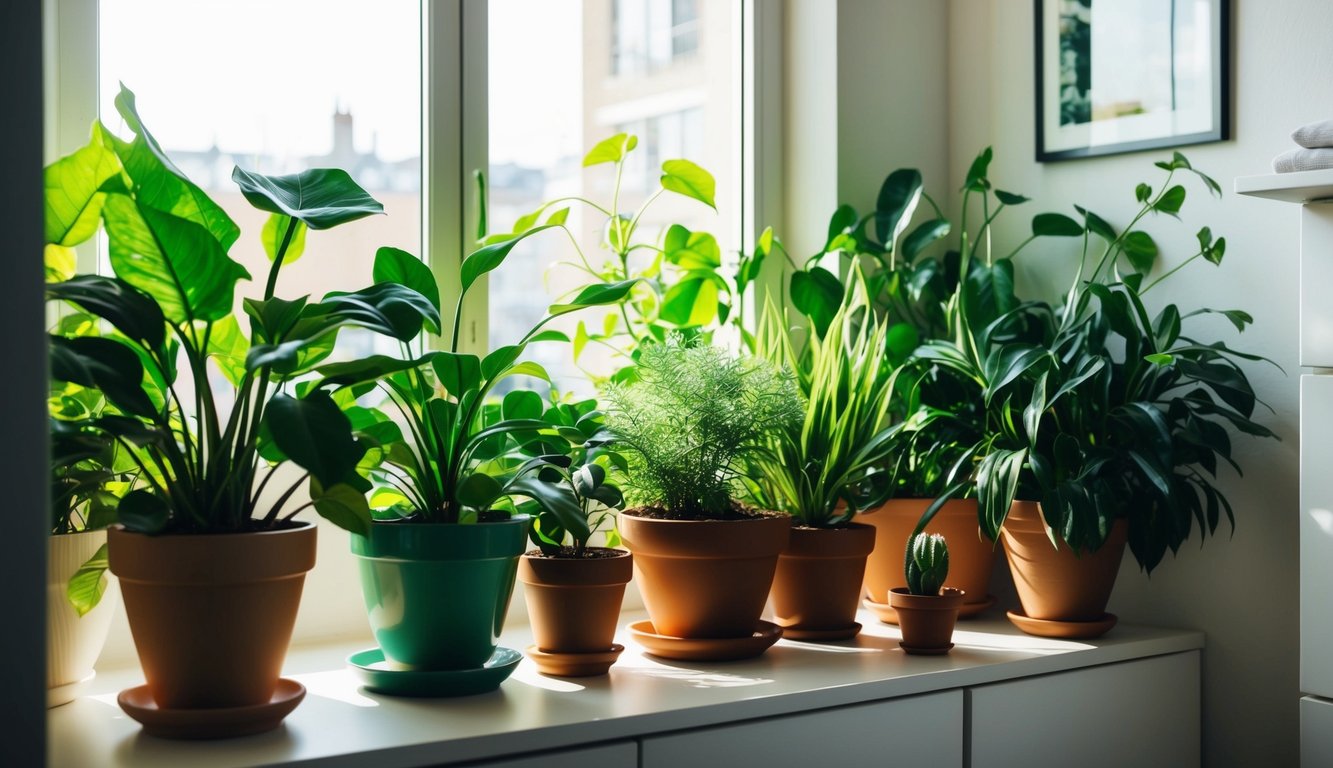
[
  {"x": 1303, "y": 160},
  {"x": 1314, "y": 135}
]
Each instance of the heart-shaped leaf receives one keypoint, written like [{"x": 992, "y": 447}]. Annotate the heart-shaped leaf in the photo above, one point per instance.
[
  {"x": 611, "y": 150},
  {"x": 343, "y": 505},
  {"x": 691, "y": 250},
  {"x": 685, "y": 178},
  {"x": 1055, "y": 225},
  {"x": 73, "y": 200},
  {"x": 320, "y": 197},
  {"x": 142, "y": 512},
  {"x": 897, "y": 201},
  {"x": 393, "y": 265},
  {"x": 275, "y": 232}
]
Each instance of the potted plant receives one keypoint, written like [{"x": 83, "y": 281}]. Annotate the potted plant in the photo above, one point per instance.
[
  {"x": 438, "y": 562},
  {"x": 689, "y": 424},
  {"x": 927, "y": 610},
  {"x": 1107, "y": 421},
  {"x": 823, "y": 469},
  {"x": 574, "y": 590},
  {"x": 211, "y": 568}
]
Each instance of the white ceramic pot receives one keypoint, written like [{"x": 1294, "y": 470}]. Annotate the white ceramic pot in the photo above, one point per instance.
[{"x": 73, "y": 642}]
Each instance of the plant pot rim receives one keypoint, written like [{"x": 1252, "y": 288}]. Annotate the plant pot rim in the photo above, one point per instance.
[
  {"x": 1031, "y": 520},
  {"x": 618, "y": 553},
  {"x": 577, "y": 571},
  {"x": 120, "y": 530},
  {"x": 212, "y": 558},
  {"x": 403, "y": 540},
  {"x": 760, "y": 516},
  {"x": 949, "y": 598},
  {"x": 848, "y": 541}
]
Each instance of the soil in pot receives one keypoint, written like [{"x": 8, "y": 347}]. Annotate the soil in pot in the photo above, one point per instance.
[
  {"x": 971, "y": 554},
  {"x": 704, "y": 578},
  {"x": 212, "y": 614},
  {"x": 436, "y": 594},
  {"x": 1054, "y": 583},
  {"x": 926, "y": 621},
  {"x": 817, "y": 586},
  {"x": 74, "y": 642},
  {"x": 574, "y": 603}
]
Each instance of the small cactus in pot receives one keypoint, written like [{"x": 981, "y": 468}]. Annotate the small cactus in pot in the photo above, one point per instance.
[{"x": 927, "y": 610}]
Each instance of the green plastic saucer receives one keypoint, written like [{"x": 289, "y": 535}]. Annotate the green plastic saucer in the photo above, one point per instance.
[{"x": 378, "y": 676}]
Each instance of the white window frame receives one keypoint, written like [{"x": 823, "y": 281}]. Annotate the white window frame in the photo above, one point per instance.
[{"x": 454, "y": 141}]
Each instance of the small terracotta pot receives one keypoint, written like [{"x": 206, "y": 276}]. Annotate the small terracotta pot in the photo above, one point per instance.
[
  {"x": 705, "y": 578},
  {"x": 817, "y": 587},
  {"x": 926, "y": 621},
  {"x": 73, "y": 642},
  {"x": 1053, "y": 583},
  {"x": 212, "y": 614},
  {"x": 971, "y": 554},
  {"x": 574, "y": 603}
]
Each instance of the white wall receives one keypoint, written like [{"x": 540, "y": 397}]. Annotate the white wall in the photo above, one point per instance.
[{"x": 1241, "y": 590}]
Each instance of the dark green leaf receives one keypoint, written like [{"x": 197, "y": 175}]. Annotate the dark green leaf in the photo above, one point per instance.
[
  {"x": 103, "y": 364},
  {"x": 457, "y": 372},
  {"x": 521, "y": 404},
  {"x": 1009, "y": 198},
  {"x": 342, "y": 505},
  {"x": 921, "y": 237},
  {"x": 315, "y": 433},
  {"x": 490, "y": 257},
  {"x": 1142, "y": 192},
  {"x": 595, "y": 295},
  {"x": 976, "y": 173},
  {"x": 1171, "y": 200},
  {"x": 393, "y": 265},
  {"x": 898, "y": 197},
  {"x": 365, "y": 369},
  {"x": 1055, "y": 225},
  {"x": 320, "y": 197},
  {"x": 390, "y": 309},
  {"x": 817, "y": 294},
  {"x": 132, "y": 313},
  {"x": 142, "y": 512},
  {"x": 479, "y": 490},
  {"x": 1141, "y": 251},
  {"x": 1097, "y": 225}
]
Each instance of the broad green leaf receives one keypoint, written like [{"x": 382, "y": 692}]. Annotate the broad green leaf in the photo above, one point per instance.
[
  {"x": 314, "y": 432},
  {"x": 817, "y": 294},
  {"x": 1171, "y": 200},
  {"x": 342, "y": 505},
  {"x": 559, "y": 217},
  {"x": 976, "y": 173},
  {"x": 102, "y": 364},
  {"x": 521, "y": 404},
  {"x": 611, "y": 150},
  {"x": 595, "y": 295},
  {"x": 320, "y": 197},
  {"x": 158, "y": 183},
  {"x": 921, "y": 238},
  {"x": 479, "y": 490},
  {"x": 61, "y": 262},
  {"x": 87, "y": 585},
  {"x": 228, "y": 347},
  {"x": 840, "y": 223},
  {"x": 73, "y": 197},
  {"x": 275, "y": 229},
  {"x": 691, "y": 302},
  {"x": 503, "y": 357},
  {"x": 691, "y": 250},
  {"x": 142, "y": 512},
  {"x": 1142, "y": 192},
  {"x": 457, "y": 372},
  {"x": 391, "y": 309},
  {"x": 132, "y": 313},
  {"x": 685, "y": 178},
  {"x": 174, "y": 260},
  {"x": 1141, "y": 251},
  {"x": 580, "y": 339},
  {"x": 1097, "y": 225},
  {"x": 1055, "y": 225},
  {"x": 1160, "y": 358},
  {"x": 897, "y": 201},
  {"x": 1009, "y": 198},
  {"x": 393, "y": 265},
  {"x": 275, "y": 317},
  {"x": 489, "y": 257}
]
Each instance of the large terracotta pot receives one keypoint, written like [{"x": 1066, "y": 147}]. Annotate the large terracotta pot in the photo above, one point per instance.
[
  {"x": 437, "y": 593},
  {"x": 73, "y": 642},
  {"x": 817, "y": 587},
  {"x": 1053, "y": 583},
  {"x": 927, "y": 621},
  {"x": 574, "y": 604},
  {"x": 705, "y": 578},
  {"x": 971, "y": 554},
  {"x": 212, "y": 614}
]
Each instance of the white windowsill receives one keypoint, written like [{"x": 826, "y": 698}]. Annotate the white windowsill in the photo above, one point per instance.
[
  {"x": 338, "y": 724},
  {"x": 1300, "y": 187}
]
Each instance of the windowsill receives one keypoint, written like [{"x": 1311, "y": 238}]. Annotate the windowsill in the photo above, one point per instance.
[{"x": 532, "y": 713}]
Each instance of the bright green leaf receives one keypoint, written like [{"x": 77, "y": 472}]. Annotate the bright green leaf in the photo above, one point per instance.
[
  {"x": 685, "y": 178},
  {"x": 275, "y": 230}
]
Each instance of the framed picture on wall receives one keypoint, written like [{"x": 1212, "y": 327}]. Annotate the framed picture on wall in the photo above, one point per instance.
[{"x": 1119, "y": 76}]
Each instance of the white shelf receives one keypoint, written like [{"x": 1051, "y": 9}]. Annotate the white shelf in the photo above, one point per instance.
[
  {"x": 338, "y": 724},
  {"x": 1301, "y": 187}
]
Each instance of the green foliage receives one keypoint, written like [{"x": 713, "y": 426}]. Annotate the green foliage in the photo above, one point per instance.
[
  {"x": 927, "y": 563},
  {"x": 825, "y": 468},
  {"x": 693, "y": 419},
  {"x": 194, "y": 462}
]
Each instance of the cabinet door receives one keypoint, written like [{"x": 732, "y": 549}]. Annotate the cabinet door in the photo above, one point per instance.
[
  {"x": 1316, "y": 276},
  {"x": 1140, "y": 713},
  {"x": 623, "y": 754},
  {"x": 1316, "y": 532},
  {"x": 1316, "y": 732},
  {"x": 918, "y": 730}
]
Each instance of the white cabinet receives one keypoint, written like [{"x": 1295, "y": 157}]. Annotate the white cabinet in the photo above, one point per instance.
[
  {"x": 916, "y": 730},
  {"x": 624, "y": 754},
  {"x": 1316, "y": 732},
  {"x": 1316, "y": 277},
  {"x": 1140, "y": 713},
  {"x": 1316, "y": 531}
]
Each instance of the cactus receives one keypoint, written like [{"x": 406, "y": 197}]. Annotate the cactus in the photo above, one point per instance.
[{"x": 927, "y": 563}]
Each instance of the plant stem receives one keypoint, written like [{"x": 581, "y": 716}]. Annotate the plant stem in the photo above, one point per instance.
[{"x": 277, "y": 259}]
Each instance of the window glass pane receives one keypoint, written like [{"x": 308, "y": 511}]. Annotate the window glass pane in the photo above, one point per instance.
[
  {"x": 278, "y": 87},
  {"x": 566, "y": 74}
]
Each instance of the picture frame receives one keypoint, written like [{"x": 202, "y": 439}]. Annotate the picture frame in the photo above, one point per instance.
[{"x": 1117, "y": 76}]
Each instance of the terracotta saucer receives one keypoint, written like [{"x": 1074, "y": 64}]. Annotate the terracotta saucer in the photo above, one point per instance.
[
  {"x": 705, "y": 648},
  {"x": 837, "y": 633},
  {"x": 885, "y": 613},
  {"x": 223, "y": 723},
  {"x": 926, "y": 651},
  {"x": 574, "y": 664},
  {"x": 64, "y": 694},
  {"x": 1081, "y": 630},
  {"x": 377, "y": 676}
]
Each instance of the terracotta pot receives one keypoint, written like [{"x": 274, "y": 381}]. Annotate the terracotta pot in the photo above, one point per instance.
[
  {"x": 1053, "y": 583},
  {"x": 574, "y": 604},
  {"x": 705, "y": 578},
  {"x": 927, "y": 621},
  {"x": 971, "y": 554},
  {"x": 437, "y": 593},
  {"x": 73, "y": 642},
  {"x": 212, "y": 614},
  {"x": 817, "y": 587}
]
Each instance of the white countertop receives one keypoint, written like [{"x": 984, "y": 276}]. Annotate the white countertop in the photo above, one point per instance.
[
  {"x": 1299, "y": 187},
  {"x": 340, "y": 725}
]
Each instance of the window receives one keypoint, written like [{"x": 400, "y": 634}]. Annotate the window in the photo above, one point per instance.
[{"x": 541, "y": 127}]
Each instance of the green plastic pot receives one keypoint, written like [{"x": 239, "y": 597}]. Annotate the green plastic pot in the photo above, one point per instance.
[{"x": 436, "y": 594}]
